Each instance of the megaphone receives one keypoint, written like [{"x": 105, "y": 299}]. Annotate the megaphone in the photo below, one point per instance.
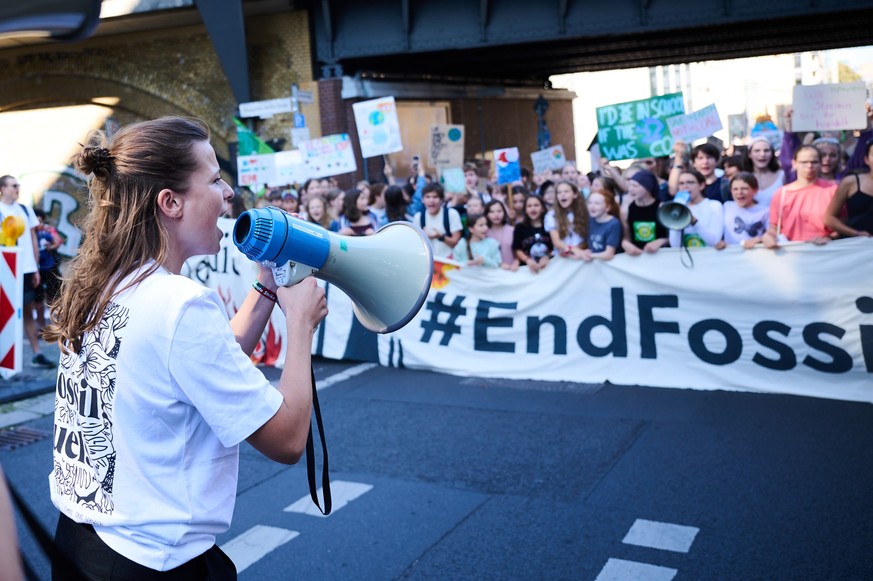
[
  {"x": 387, "y": 275},
  {"x": 675, "y": 215}
]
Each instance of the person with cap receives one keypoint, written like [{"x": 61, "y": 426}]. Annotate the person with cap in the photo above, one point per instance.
[
  {"x": 642, "y": 232},
  {"x": 289, "y": 201}
]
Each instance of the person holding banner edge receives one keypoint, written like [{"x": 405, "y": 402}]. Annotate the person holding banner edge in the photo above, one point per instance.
[{"x": 155, "y": 385}]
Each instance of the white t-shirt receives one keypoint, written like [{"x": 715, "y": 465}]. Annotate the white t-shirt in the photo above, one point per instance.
[
  {"x": 707, "y": 231},
  {"x": 148, "y": 418},
  {"x": 551, "y": 223},
  {"x": 764, "y": 195},
  {"x": 744, "y": 223},
  {"x": 27, "y": 259},
  {"x": 440, "y": 248}
]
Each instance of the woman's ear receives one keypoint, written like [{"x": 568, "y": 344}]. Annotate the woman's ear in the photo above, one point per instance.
[{"x": 169, "y": 204}]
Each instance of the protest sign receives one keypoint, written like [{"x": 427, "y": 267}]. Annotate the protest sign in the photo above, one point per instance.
[
  {"x": 378, "y": 127},
  {"x": 508, "y": 166},
  {"x": 256, "y": 170},
  {"x": 637, "y": 129},
  {"x": 446, "y": 146},
  {"x": 549, "y": 158},
  {"x": 328, "y": 156},
  {"x": 701, "y": 123},
  {"x": 290, "y": 168},
  {"x": 453, "y": 180},
  {"x": 829, "y": 107}
]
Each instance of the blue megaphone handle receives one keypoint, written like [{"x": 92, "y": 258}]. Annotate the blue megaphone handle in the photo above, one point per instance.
[{"x": 292, "y": 247}]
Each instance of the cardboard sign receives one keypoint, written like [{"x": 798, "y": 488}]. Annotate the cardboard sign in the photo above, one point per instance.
[
  {"x": 829, "y": 107},
  {"x": 508, "y": 165},
  {"x": 328, "y": 156},
  {"x": 446, "y": 146},
  {"x": 637, "y": 129},
  {"x": 378, "y": 127},
  {"x": 549, "y": 158},
  {"x": 701, "y": 123}
]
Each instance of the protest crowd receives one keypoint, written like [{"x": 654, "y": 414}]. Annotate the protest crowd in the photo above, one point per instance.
[{"x": 813, "y": 187}]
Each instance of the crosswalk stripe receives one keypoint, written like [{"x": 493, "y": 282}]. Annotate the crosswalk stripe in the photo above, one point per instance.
[
  {"x": 621, "y": 570},
  {"x": 344, "y": 375},
  {"x": 253, "y": 544},
  {"x": 661, "y": 535},
  {"x": 341, "y": 493}
]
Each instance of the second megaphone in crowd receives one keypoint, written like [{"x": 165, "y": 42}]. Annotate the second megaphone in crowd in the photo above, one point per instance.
[
  {"x": 387, "y": 275},
  {"x": 675, "y": 214}
]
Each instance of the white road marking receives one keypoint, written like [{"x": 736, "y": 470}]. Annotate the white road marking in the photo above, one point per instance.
[
  {"x": 661, "y": 535},
  {"x": 344, "y": 375},
  {"x": 341, "y": 493},
  {"x": 254, "y": 544},
  {"x": 621, "y": 570}
]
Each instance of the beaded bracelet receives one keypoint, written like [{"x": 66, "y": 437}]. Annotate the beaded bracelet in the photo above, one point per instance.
[{"x": 264, "y": 291}]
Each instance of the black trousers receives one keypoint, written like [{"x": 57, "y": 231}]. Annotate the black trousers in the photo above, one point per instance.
[{"x": 93, "y": 560}]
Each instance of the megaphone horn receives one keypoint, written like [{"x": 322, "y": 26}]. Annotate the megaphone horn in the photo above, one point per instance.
[
  {"x": 387, "y": 275},
  {"x": 675, "y": 215}
]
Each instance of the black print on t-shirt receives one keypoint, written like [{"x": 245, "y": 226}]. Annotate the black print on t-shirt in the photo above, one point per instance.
[
  {"x": 754, "y": 229},
  {"x": 85, "y": 452}
]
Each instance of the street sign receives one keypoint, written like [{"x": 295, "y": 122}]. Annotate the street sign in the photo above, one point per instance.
[{"x": 265, "y": 109}]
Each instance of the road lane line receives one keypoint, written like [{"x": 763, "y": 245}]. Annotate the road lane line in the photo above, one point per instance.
[
  {"x": 341, "y": 493},
  {"x": 661, "y": 535},
  {"x": 254, "y": 544},
  {"x": 344, "y": 375},
  {"x": 621, "y": 570}
]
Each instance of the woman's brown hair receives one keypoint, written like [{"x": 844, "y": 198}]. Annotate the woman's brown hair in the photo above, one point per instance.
[{"x": 122, "y": 231}]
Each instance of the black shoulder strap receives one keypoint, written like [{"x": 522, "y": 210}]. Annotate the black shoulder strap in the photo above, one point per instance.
[
  {"x": 421, "y": 217},
  {"x": 446, "y": 221}
]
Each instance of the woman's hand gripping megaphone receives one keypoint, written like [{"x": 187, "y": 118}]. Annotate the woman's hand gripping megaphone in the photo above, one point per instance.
[{"x": 387, "y": 275}]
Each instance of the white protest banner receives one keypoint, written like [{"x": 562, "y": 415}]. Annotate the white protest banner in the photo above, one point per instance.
[
  {"x": 549, "y": 158},
  {"x": 829, "y": 107},
  {"x": 328, "y": 156},
  {"x": 378, "y": 126},
  {"x": 702, "y": 123},
  {"x": 446, "y": 146},
  {"x": 290, "y": 168},
  {"x": 256, "y": 170},
  {"x": 797, "y": 321}
]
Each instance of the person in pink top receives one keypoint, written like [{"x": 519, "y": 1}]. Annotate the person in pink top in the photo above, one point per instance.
[
  {"x": 797, "y": 209},
  {"x": 500, "y": 230}
]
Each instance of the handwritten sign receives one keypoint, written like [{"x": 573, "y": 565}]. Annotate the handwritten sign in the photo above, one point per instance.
[
  {"x": 638, "y": 129},
  {"x": 256, "y": 170},
  {"x": 328, "y": 156},
  {"x": 452, "y": 179},
  {"x": 290, "y": 168},
  {"x": 508, "y": 165},
  {"x": 829, "y": 107},
  {"x": 446, "y": 146},
  {"x": 701, "y": 123},
  {"x": 549, "y": 158},
  {"x": 378, "y": 127}
]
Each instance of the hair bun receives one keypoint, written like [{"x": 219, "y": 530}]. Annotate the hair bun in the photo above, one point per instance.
[{"x": 96, "y": 160}]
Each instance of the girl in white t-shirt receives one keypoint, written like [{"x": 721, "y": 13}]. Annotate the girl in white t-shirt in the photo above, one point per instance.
[
  {"x": 745, "y": 220},
  {"x": 707, "y": 215},
  {"x": 155, "y": 387},
  {"x": 567, "y": 221}
]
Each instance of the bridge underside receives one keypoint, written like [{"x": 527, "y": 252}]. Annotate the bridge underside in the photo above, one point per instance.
[{"x": 524, "y": 42}]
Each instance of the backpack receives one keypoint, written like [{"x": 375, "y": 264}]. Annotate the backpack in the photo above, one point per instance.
[{"x": 446, "y": 227}]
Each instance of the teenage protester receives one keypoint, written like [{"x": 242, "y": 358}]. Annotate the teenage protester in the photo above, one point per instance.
[{"x": 155, "y": 388}]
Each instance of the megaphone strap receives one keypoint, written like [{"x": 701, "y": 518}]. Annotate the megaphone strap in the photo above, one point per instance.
[{"x": 310, "y": 457}]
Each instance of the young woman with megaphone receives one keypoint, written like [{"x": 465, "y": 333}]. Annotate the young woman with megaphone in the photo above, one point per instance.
[{"x": 155, "y": 387}]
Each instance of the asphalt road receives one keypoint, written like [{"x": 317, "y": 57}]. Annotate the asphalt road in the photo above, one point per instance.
[{"x": 442, "y": 477}]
